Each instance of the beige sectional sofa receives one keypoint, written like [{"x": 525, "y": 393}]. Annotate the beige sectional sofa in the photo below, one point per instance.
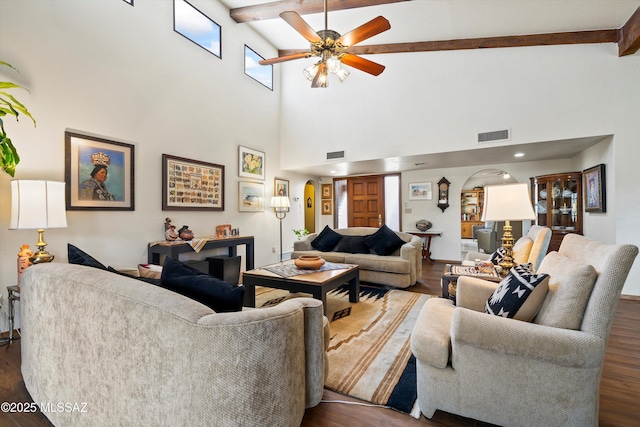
[
  {"x": 401, "y": 269},
  {"x": 125, "y": 352}
]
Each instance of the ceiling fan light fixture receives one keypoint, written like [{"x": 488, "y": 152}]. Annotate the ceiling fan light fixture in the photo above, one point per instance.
[{"x": 310, "y": 72}]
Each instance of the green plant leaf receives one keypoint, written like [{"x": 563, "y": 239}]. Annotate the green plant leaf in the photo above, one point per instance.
[{"x": 8, "y": 156}]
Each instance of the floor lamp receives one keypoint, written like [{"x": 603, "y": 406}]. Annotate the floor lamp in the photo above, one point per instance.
[
  {"x": 508, "y": 202},
  {"x": 280, "y": 205}
]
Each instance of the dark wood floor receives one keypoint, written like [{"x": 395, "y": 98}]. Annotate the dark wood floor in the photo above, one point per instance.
[{"x": 619, "y": 391}]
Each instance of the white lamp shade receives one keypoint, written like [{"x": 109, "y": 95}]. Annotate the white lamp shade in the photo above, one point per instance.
[
  {"x": 280, "y": 202},
  {"x": 509, "y": 202},
  {"x": 37, "y": 204}
]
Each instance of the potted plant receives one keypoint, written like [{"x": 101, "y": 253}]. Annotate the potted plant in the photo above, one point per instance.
[
  {"x": 301, "y": 233},
  {"x": 9, "y": 105}
]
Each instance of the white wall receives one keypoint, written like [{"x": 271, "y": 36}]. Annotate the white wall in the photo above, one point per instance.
[
  {"x": 106, "y": 68},
  {"x": 438, "y": 101}
]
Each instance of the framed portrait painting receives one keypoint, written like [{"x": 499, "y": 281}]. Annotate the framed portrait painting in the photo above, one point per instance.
[
  {"x": 250, "y": 163},
  {"x": 99, "y": 173},
  {"x": 191, "y": 184},
  {"x": 594, "y": 184},
  {"x": 250, "y": 196}
]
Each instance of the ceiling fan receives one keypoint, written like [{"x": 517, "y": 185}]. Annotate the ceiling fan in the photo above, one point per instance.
[{"x": 331, "y": 47}]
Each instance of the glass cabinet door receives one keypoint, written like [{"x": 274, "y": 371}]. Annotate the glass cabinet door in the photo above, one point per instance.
[
  {"x": 564, "y": 204},
  {"x": 540, "y": 205}
]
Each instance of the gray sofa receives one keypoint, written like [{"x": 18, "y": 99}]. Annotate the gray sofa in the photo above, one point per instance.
[
  {"x": 138, "y": 354},
  {"x": 401, "y": 269}
]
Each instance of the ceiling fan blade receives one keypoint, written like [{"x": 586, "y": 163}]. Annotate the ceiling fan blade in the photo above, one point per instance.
[
  {"x": 365, "y": 31},
  {"x": 301, "y": 26},
  {"x": 320, "y": 80},
  {"x": 362, "y": 64},
  {"x": 284, "y": 58}
]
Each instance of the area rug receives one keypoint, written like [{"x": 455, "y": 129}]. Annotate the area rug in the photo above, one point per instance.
[{"x": 369, "y": 354}]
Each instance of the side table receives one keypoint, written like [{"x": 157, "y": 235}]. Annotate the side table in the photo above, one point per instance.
[
  {"x": 13, "y": 296},
  {"x": 426, "y": 242},
  {"x": 452, "y": 272}
]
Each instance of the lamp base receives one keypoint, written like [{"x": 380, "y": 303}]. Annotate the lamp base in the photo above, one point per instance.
[
  {"x": 507, "y": 262},
  {"x": 41, "y": 256}
]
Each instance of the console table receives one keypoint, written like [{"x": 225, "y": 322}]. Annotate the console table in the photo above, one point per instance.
[
  {"x": 426, "y": 241},
  {"x": 175, "y": 248}
]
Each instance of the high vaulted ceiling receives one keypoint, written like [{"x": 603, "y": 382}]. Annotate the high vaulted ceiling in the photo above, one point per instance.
[
  {"x": 427, "y": 25},
  {"x": 433, "y": 22}
]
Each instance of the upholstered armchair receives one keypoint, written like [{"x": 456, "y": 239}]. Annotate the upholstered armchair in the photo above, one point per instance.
[
  {"x": 530, "y": 248},
  {"x": 518, "y": 373}
]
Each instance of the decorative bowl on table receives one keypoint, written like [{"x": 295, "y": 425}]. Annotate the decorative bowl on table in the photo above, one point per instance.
[
  {"x": 309, "y": 262},
  {"x": 423, "y": 225}
]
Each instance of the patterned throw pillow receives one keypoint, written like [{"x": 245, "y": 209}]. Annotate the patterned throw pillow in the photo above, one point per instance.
[
  {"x": 519, "y": 295},
  {"x": 498, "y": 255}
]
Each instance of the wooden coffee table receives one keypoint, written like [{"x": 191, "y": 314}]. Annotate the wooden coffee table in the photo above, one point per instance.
[{"x": 317, "y": 283}]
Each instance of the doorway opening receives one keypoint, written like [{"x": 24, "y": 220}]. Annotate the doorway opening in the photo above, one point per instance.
[
  {"x": 309, "y": 210},
  {"x": 368, "y": 201}
]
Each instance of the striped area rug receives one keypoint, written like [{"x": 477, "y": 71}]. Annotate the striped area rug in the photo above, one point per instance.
[{"x": 369, "y": 354}]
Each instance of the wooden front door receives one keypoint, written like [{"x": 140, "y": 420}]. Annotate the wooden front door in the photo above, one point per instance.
[{"x": 366, "y": 201}]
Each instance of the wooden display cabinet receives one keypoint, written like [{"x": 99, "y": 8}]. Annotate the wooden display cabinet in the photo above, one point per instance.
[
  {"x": 470, "y": 211},
  {"x": 557, "y": 201}
]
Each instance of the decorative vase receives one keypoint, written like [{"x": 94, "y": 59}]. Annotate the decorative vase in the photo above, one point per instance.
[
  {"x": 309, "y": 262},
  {"x": 423, "y": 225}
]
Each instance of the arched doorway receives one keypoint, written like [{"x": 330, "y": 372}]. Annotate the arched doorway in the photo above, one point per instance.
[
  {"x": 310, "y": 207},
  {"x": 472, "y": 200}
]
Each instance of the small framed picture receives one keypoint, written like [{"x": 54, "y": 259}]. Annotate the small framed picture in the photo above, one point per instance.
[
  {"x": 593, "y": 181},
  {"x": 191, "y": 184},
  {"x": 327, "y": 207},
  {"x": 250, "y": 196},
  {"x": 420, "y": 191},
  {"x": 327, "y": 191},
  {"x": 250, "y": 163},
  {"x": 99, "y": 173},
  {"x": 281, "y": 187}
]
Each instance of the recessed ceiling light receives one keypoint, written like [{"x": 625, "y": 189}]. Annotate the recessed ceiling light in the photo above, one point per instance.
[{"x": 518, "y": 155}]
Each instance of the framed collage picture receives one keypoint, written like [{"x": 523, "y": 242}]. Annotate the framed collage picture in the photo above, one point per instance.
[
  {"x": 99, "y": 173},
  {"x": 191, "y": 184}
]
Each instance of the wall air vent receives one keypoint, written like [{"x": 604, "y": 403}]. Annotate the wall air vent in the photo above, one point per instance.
[
  {"x": 496, "y": 135},
  {"x": 335, "y": 155}
]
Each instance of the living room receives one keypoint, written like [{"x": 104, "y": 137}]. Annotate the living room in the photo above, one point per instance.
[{"x": 107, "y": 69}]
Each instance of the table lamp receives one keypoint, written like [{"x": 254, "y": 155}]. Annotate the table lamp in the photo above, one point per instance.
[
  {"x": 38, "y": 205},
  {"x": 280, "y": 205},
  {"x": 508, "y": 202}
]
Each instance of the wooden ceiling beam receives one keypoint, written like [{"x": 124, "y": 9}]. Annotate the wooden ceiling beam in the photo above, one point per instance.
[
  {"x": 629, "y": 35},
  {"x": 273, "y": 10},
  {"x": 548, "y": 39}
]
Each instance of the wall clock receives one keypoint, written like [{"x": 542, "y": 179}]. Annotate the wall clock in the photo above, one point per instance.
[{"x": 443, "y": 193}]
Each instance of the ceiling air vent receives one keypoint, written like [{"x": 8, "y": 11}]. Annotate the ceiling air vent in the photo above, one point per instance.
[
  {"x": 335, "y": 155},
  {"x": 496, "y": 135}
]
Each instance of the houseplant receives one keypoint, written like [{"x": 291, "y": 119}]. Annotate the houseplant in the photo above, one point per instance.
[{"x": 9, "y": 105}]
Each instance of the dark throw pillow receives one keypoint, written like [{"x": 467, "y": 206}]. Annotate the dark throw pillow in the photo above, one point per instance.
[
  {"x": 352, "y": 245},
  {"x": 216, "y": 294},
  {"x": 519, "y": 295},
  {"x": 77, "y": 256},
  {"x": 326, "y": 240},
  {"x": 384, "y": 241}
]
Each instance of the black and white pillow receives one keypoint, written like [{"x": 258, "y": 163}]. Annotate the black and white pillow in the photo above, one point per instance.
[
  {"x": 519, "y": 295},
  {"x": 498, "y": 255}
]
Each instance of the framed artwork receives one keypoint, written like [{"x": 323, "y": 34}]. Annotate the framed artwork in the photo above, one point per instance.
[
  {"x": 327, "y": 207},
  {"x": 263, "y": 74},
  {"x": 191, "y": 185},
  {"x": 327, "y": 191},
  {"x": 197, "y": 27},
  {"x": 250, "y": 196},
  {"x": 99, "y": 173},
  {"x": 594, "y": 183},
  {"x": 281, "y": 187},
  {"x": 420, "y": 191},
  {"x": 250, "y": 163}
]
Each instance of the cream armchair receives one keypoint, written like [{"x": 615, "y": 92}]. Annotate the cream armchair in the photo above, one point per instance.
[
  {"x": 530, "y": 248},
  {"x": 515, "y": 373}
]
